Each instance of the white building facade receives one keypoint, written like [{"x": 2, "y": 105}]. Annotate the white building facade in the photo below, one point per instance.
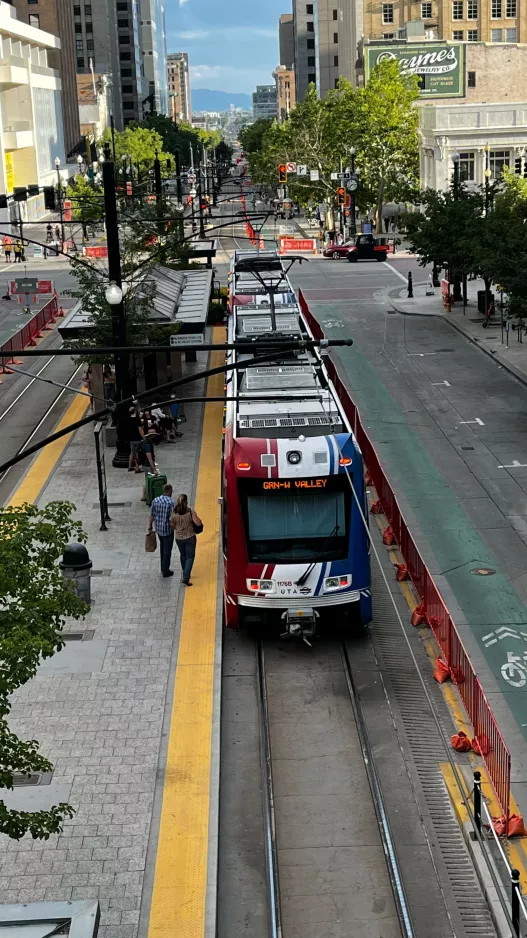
[
  {"x": 484, "y": 135},
  {"x": 31, "y": 133}
]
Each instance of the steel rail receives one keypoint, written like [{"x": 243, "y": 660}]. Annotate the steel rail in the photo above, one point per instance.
[{"x": 271, "y": 853}]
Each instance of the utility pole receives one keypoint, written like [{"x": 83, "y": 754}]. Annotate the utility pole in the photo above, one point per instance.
[
  {"x": 191, "y": 187},
  {"x": 457, "y": 296},
  {"x": 158, "y": 185},
  {"x": 120, "y": 459},
  {"x": 200, "y": 203},
  {"x": 353, "y": 203},
  {"x": 112, "y": 127},
  {"x": 179, "y": 191}
]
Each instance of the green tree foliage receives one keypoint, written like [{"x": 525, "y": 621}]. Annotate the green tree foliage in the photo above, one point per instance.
[
  {"x": 380, "y": 121},
  {"x": 446, "y": 231},
  {"x": 139, "y": 143},
  {"x": 35, "y": 602},
  {"x": 87, "y": 203},
  {"x": 252, "y": 136}
]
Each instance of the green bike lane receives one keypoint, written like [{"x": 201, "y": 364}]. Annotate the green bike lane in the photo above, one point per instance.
[{"x": 452, "y": 545}]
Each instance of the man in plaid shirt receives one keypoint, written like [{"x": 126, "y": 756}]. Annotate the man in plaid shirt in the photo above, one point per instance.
[{"x": 160, "y": 511}]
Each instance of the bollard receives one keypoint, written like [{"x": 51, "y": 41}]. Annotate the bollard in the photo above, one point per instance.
[
  {"x": 410, "y": 286},
  {"x": 477, "y": 800},
  {"x": 515, "y": 902},
  {"x": 76, "y": 568}
]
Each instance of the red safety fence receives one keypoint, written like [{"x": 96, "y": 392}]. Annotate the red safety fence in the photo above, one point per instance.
[
  {"x": 40, "y": 322},
  {"x": 487, "y": 735}
]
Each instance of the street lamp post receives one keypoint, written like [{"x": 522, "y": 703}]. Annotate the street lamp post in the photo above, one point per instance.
[
  {"x": 114, "y": 297},
  {"x": 353, "y": 228},
  {"x": 59, "y": 196},
  {"x": 457, "y": 296},
  {"x": 80, "y": 161},
  {"x": 487, "y": 175}
]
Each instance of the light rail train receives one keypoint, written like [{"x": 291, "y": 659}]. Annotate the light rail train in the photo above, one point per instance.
[{"x": 295, "y": 545}]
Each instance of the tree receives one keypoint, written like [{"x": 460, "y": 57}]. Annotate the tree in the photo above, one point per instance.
[
  {"x": 87, "y": 203},
  {"x": 35, "y": 603},
  {"x": 252, "y": 136},
  {"x": 139, "y": 143}
]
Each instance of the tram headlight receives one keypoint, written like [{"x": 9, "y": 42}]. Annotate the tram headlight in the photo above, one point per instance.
[
  {"x": 332, "y": 583},
  {"x": 261, "y": 586},
  {"x": 266, "y": 586},
  {"x": 294, "y": 457}
]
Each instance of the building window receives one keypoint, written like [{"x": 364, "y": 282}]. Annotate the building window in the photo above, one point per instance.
[
  {"x": 79, "y": 45},
  {"x": 125, "y": 56},
  {"x": 426, "y": 11},
  {"x": 122, "y": 7},
  {"x": 510, "y": 35},
  {"x": 80, "y": 63},
  {"x": 34, "y": 20},
  {"x": 127, "y": 89},
  {"x": 336, "y": 61},
  {"x": 471, "y": 80},
  {"x": 128, "y": 105},
  {"x": 472, "y": 35},
  {"x": 457, "y": 35},
  {"x": 472, "y": 9},
  {"x": 337, "y": 82},
  {"x": 457, "y": 9},
  {"x": 496, "y": 35},
  {"x": 387, "y": 12},
  {"x": 126, "y": 73},
  {"x": 89, "y": 44},
  {"x": 387, "y": 35},
  {"x": 310, "y": 43},
  {"x": 123, "y": 24},
  {"x": 497, "y": 160},
  {"x": 511, "y": 8},
  {"x": 310, "y": 27},
  {"x": 335, "y": 14},
  {"x": 311, "y": 61},
  {"x": 76, "y": 11},
  {"x": 335, "y": 37},
  {"x": 78, "y": 27},
  {"x": 124, "y": 40},
  {"x": 495, "y": 9},
  {"x": 87, "y": 10},
  {"x": 312, "y": 79},
  {"x": 309, "y": 9},
  {"x": 466, "y": 167},
  {"x": 88, "y": 26}
]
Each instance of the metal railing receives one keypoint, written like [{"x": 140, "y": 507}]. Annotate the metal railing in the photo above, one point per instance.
[{"x": 28, "y": 333}]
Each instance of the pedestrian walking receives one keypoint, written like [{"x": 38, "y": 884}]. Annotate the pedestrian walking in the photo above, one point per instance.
[
  {"x": 57, "y": 233},
  {"x": 161, "y": 511},
  {"x": 108, "y": 378},
  {"x": 7, "y": 249},
  {"x": 184, "y": 522},
  {"x": 18, "y": 251}
]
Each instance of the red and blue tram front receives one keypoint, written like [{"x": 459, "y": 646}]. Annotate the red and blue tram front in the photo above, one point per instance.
[{"x": 294, "y": 532}]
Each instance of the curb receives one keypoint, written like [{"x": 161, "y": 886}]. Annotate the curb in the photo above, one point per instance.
[{"x": 507, "y": 366}]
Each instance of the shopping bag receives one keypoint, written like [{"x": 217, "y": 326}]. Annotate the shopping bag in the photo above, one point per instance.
[{"x": 150, "y": 542}]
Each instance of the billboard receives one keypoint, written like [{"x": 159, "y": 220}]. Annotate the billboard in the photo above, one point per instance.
[{"x": 439, "y": 65}]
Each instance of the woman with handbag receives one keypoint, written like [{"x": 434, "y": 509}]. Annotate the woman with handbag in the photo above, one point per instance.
[{"x": 185, "y": 524}]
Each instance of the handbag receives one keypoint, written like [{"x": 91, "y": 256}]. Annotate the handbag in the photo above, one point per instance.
[
  {"x": 150, "y": 542},
  {"x": 197, "y": 524}
]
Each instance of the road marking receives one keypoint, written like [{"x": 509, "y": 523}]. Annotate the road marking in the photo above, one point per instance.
[
  {"x": 504, "y": 632},
  {"x": 515, "y": 465},
  {"x": 396, "y": 272},
  {"x": 40, "y": 470},
  {"x": 179, "y": 894},
  {"x": 437, "y": 384},
  {"x": 477, "y": 420},
  {"x": 420, "y": 354}
]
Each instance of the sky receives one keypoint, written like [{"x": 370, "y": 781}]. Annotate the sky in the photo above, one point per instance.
[{"x": 232, "y": 44}]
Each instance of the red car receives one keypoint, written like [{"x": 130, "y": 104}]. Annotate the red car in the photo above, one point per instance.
[{"x": 338, "y": 250}]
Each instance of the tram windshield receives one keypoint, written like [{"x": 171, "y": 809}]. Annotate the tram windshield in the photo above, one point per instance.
[{"x": 297, "y": 523}]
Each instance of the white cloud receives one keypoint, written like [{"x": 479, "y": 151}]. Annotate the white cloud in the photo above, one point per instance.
[
  {"x": 182, "y": 2},
  {"x": 194, "y": 33},
  {"x": 227, "y": 78}
]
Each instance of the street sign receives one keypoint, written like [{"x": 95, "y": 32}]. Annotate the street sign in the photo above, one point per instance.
[
  {"x": 192, "y": 338},
  {"x": 314, "y": 175},
  {"x": 38, "y": 250},
  {"x": 290, "y": 167},
  {"x": 28, "y": 285},
  {"x": 343, "y": 175},
  {"x": 352, "y": 184},
  {"x": 301, "y": 169},
  {"x": 334, "y": 176}
]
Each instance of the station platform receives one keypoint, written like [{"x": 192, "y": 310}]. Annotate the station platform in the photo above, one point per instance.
[{"x": 128, "y": 711}]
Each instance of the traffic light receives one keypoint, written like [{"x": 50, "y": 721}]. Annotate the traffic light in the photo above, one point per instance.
[
  {"x": 282, "y": 173},
  {"x": 341, "y": 196},
  {"x": 518, "y": 165}
]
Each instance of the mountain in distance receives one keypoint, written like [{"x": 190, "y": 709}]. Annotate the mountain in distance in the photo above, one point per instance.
[{"x": 205, "y": 100}]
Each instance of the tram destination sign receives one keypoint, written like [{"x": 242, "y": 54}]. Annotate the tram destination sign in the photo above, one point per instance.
[{"x": 440, "y": 66}]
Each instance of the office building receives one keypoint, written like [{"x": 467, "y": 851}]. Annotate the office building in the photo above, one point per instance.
[
  {"x": 304, "y": 42},
  {"x": 154, "y": 53},
  {"x": 179, "y": 87},
  {"x": 286, "y": 40},
  {"x": 55, "y": 17},
  {"x": 31, "y": 131},
  {"x": 264, "y": 102},
  {"x": 97, "y": 46},
  {"x": 131, "y": 85},
  {"x": 285, "y": 91},
  {"x": 454, "y": 20}
]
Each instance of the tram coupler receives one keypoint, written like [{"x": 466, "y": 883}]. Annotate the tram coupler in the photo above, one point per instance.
[{"x": 300, "y": 623}]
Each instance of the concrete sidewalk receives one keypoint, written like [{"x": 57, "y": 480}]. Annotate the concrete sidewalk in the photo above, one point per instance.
[{"x": 499, "y": 343}]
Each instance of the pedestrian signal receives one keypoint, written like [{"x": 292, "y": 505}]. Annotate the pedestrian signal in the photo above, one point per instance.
[
  {"x": 282, "y": 173},
  {"x": 341, "y": 196}
]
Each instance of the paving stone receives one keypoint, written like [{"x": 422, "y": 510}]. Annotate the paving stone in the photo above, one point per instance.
[{"x": 102, "y": 729}]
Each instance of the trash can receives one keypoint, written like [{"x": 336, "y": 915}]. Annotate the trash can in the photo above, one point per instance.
[
  {"x": 154, "y": 486},
  {"x": 482, "y": 307},
  {"x": 76, "y": 569}
]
